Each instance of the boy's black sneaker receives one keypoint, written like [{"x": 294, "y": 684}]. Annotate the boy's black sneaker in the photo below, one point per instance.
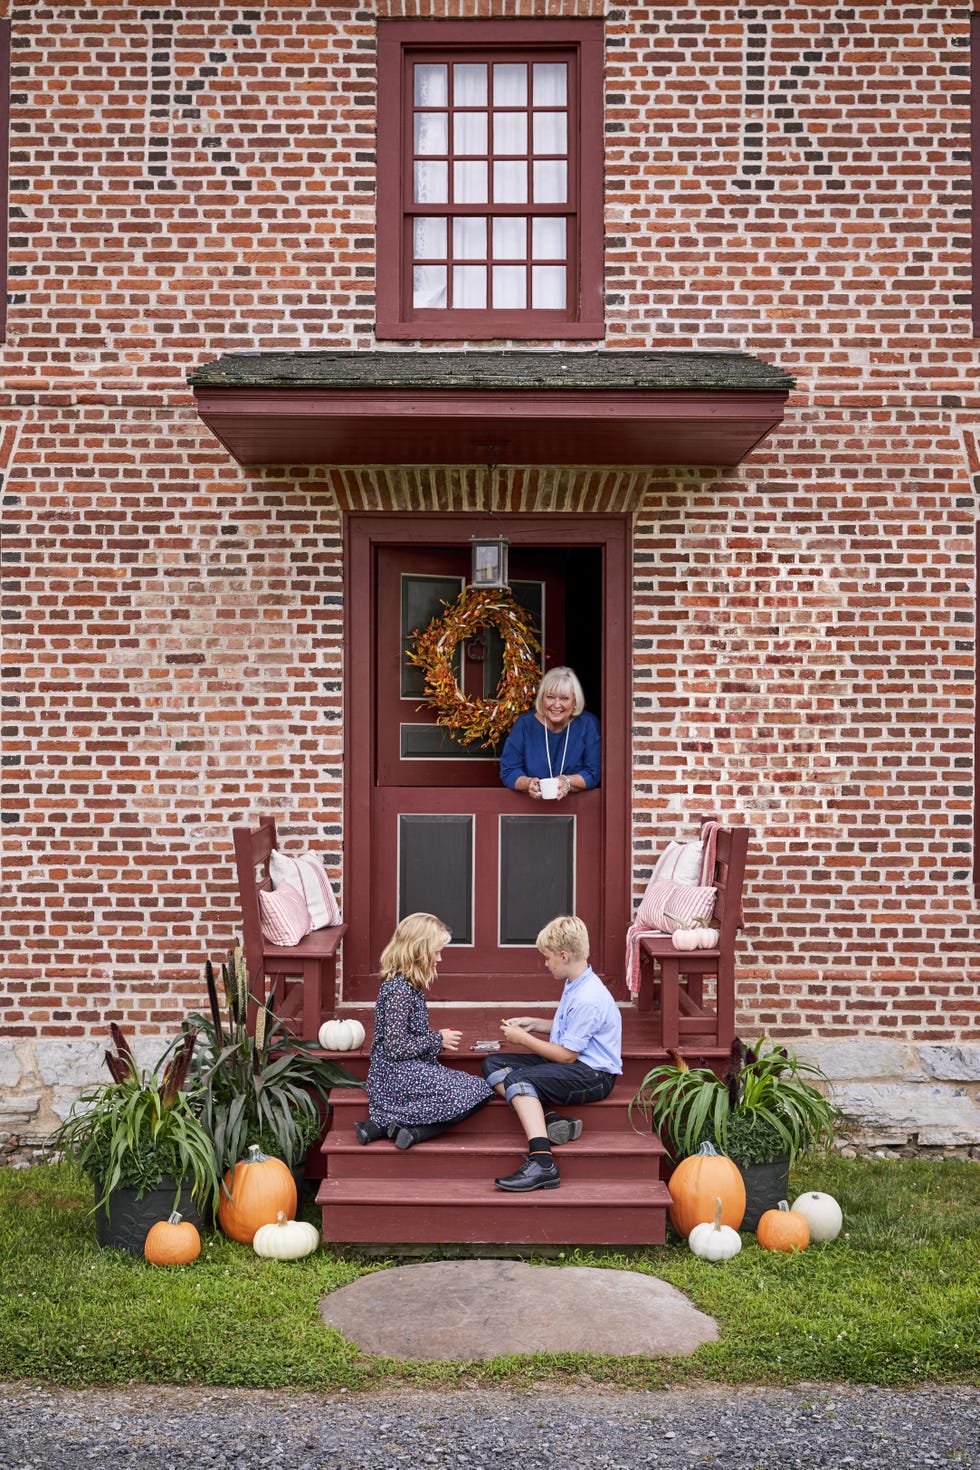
[
  {"x": 531, "y": 1175},
  {"x": 564, "y": 1130}
]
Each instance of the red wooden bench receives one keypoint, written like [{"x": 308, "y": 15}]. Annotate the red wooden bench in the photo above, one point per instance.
[
  {"x": 302, "y": 978},
  {"x": 677, "y": 978}
]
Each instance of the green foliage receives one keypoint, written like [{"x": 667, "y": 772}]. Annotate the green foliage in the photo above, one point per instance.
[
  {"x": 764, "y": 1106},
  {"x": 893, "y": 1301},
  {"x": 218, "y": 1088},
  {"x": 142, "y": 1127},
  {"x": 260, "y": 1086}
]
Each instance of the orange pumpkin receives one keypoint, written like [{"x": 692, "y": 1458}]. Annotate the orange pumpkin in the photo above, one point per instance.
[
  {"x": 695, "y": 1185},
  {"x": 783, "y": 1230},
  {"x": 253, "y": 1193},
  {"x": 172, "y": 1242}
]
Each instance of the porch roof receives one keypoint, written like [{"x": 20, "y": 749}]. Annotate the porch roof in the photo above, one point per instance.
[{"x": 569, "y": 408}]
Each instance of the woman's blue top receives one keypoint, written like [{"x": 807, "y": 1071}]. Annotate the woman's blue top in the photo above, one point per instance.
[{"x": 525, "y": 753}]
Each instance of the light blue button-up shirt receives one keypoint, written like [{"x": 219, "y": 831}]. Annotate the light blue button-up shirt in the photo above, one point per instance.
[{"x": 588, "y": 1021}]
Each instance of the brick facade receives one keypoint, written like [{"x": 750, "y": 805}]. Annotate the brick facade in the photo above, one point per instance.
[{"x": 792, "y": 181}]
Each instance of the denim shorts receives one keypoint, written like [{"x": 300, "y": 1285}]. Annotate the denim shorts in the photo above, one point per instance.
[{"x": 553, "y": 1082}]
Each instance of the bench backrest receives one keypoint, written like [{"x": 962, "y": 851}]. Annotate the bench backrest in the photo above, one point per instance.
[
  {"x": 253, "y": 847},
  {"x": 729, "y": 877}
]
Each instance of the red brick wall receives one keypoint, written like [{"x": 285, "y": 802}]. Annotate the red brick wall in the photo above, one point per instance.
[{"x": 790, "y": 180}]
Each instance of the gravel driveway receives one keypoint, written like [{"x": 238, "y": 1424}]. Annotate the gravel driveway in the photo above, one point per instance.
[{"x": 746, "y": 1429}]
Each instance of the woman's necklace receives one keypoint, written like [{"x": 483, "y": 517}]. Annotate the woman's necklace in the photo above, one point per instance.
[{"x": 564, "y": 752}]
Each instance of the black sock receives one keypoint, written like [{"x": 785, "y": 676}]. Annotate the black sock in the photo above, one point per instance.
[
  {"x": 422, "y": 1131},
  {"x": 537, "y": 1147}
]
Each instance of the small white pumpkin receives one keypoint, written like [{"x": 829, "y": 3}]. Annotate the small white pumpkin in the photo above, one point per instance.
[
  {"x": 822, "y": 1213},
  {"x": 337, "y": 1035},
  {"x": 714, "y": 1241},
  {"x": 685, "y": 939},
  {"x": 708, "y": 937},
  {"x": 285, "y": 1239}
]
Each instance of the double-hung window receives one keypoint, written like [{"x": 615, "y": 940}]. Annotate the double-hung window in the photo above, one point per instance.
[{"x": 490, "y": 179}]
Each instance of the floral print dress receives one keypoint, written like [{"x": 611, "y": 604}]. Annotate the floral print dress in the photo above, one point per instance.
[{"x": 405, "y": 1082}]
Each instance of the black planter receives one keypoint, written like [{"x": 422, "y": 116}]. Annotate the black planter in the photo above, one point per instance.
[
  {"x": 124, "y": 1223},
  {"x": 765, "y": 1186}
]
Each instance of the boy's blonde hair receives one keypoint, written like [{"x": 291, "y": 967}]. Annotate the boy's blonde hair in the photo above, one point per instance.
[
  {"x": 568, "y": 933},
  {"x": 411, "y": 949}
]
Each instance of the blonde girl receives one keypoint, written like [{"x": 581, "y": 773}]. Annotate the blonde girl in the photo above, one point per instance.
[{"x": 411, "y": 1095}]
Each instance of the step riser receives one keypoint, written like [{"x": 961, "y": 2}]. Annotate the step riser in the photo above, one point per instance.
[
  {"x": 635, "y": 1068},
  {"x": 416, "y": 1163},
  {"x": 509, "y": 1222},
  {"x": 610, "y": 1115}
]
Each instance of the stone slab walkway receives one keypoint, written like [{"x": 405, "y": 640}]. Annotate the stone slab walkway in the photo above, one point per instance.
[{"x": 463, "y": 1310}]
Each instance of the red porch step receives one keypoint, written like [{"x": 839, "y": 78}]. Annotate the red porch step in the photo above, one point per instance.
[
  {"x": 471, "y": 1155},
  {"x": 611, "y": 1115},
  {"x": 442, "y": 1191},
  {"x": 470, "y": 1211}
]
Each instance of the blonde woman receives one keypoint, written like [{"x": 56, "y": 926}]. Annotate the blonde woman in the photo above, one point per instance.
[
  {"x": 557, "y": 742},
  {"x": 412, "y": 1096}
]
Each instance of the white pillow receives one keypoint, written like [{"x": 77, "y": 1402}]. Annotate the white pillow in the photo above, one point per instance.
[
  {"x": 307, "y": 874},
  {"x": 680, "y": 864}
]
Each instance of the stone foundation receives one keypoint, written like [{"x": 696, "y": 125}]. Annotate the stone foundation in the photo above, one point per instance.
[{"x": 894, "y": 1095}]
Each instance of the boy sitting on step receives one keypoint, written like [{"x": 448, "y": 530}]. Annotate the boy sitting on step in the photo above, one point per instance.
[{"x": 579, "y": 1063}]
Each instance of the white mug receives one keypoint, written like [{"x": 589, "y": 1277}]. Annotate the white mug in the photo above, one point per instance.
[{"x": 549, "y": 787}]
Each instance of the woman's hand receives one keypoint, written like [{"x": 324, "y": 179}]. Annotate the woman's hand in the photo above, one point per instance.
[
  {"x": 566, "y": 785},
  {"x": 450, "y": 1040}
]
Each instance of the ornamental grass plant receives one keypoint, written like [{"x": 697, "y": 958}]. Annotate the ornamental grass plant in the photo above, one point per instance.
[
  {"x": 142, "y": 1127},
  {"x": 260, "y": 1084},
  {"x": 764, "y": 1105}
]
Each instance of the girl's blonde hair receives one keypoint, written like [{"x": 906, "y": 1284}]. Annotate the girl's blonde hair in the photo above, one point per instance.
[
  {"x": 562, "y": 680},
  {"x": 411, "y": 949}
]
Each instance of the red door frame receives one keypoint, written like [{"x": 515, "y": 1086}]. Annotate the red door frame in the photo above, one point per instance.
[{"x": 363, "y": 532}]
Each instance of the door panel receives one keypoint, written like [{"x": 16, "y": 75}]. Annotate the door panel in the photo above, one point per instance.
[{"x": 492, "y": 870}]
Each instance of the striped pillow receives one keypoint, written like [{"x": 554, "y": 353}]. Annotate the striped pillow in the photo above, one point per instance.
[
  {"x": 307, "y": 874},
  {"x": 284, "y": 915},
  {"x": 670, "y": 906}
]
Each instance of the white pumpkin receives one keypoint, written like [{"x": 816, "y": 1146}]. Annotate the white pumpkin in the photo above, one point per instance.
[
  {"x": 822, "y": 1213},
  {"x": 285, "y": 1239},
  {"x": 337, "y": 1035},
  {"x": 714, "y": 1241},
  {"x": 685, "y": 939},
  {"x": 708, "y": 937}
]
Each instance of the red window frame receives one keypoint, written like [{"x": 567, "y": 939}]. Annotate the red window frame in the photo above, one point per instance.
[{"x": 400, "y": 45}]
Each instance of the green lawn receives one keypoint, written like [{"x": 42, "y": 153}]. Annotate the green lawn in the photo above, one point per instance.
[{"x": 895, "y": 1300}]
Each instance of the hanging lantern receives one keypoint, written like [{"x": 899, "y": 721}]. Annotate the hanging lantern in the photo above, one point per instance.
[{"x": 489, "y": 562}]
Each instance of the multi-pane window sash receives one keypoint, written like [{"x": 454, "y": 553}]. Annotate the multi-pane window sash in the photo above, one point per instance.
[{"x": 490, "y": 187}]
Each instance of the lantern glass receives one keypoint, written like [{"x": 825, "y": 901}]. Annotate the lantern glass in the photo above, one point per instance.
[{"x": 489, "y": 562}]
